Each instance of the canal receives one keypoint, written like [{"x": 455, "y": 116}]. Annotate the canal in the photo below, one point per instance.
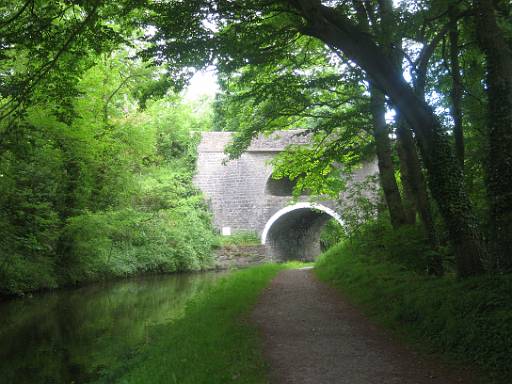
[{"x": 79, "y": 335}]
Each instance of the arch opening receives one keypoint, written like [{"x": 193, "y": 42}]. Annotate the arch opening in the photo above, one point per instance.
[{"x": 293, "y": 233}]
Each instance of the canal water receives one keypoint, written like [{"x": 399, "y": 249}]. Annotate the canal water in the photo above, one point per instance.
[{"x": 79, "y": 335}]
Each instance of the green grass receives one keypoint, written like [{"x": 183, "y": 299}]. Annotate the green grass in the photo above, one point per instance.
[
  {"x": 467, "y": 321},
  {"x": 242, "y": 238},
  {"x": 212, "y": 343}
]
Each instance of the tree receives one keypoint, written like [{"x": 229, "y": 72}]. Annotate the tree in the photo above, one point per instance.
[
  {"x": 104, "y": 189},
  {"x": 247, "y": 30},
  {"x": 496, "y": 45},
  {"x": 445, "y": 176},
  {"x": 47, "y": 45},
  {"x": 56, "y": 42}
]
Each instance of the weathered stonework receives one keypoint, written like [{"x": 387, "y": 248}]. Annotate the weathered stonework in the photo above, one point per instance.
[{"x": 240, "y": 199}]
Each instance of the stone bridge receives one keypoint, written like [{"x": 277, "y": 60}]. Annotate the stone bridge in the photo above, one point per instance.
[{"x": 244, "y": 197}]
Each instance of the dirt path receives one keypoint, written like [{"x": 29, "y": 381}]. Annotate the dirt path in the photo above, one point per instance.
[{"x": 313, "y": 336}]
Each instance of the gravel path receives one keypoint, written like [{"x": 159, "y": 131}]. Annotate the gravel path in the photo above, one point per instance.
[{"x": 313, "y": 336}]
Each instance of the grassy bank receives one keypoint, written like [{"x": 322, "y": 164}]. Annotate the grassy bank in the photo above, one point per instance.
[
  {"x": 466, "y": 320},
  {"x": 211, "y": 343}
]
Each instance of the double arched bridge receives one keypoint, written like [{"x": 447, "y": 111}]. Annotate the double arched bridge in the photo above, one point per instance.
[{"x": 244, "y": 197}]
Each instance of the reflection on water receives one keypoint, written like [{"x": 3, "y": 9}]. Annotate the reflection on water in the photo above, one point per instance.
[{"x": 74, "y": 336}]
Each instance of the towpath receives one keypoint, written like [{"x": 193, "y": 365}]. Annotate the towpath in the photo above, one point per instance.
[{"x": 313, "y": 336}]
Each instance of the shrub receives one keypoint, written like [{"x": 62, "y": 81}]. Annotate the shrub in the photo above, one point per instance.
[
  {"x": 126, "y": 242},
  {"x": 332, "y": 233},
  {"x": 406, "y": 245},
  {"x": 241, "y": 238}
]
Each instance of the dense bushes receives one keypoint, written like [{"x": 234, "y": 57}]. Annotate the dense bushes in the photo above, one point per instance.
[
  {"x": 240, "y": 238},
  {"x": 102, "y": 190},
  {"x": 469, "y": 320},
  {"x": 332, "y": 233},
  {"x": 407, "y": 245},
  {"x": 126, "y": 242}
]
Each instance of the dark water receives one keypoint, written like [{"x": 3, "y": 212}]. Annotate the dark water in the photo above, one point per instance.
[{"x": 76, "y": 336}]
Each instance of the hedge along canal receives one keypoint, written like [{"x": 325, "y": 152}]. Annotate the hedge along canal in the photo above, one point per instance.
[{"x": 162, "y": 329}]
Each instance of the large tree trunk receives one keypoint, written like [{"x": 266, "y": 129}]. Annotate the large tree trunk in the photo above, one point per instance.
[
  {"x": 445, "y": 175},
  {"x": 397, "y": 212},
  {"x": 499, "y": 89},
  {"x": 418, "y": 188},
  {"x": 409, "y": 200},
  {"x": 385, "y": 161}
]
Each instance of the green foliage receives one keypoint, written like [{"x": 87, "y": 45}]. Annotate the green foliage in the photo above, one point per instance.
[
  {"x": 30, "y": 186},
  {"x": 406, "y": 246},
  {"x": 468, "y": 320},
  {"x": 242, "y": 238},
  {"x": 211, "y": 343},
  {"x": 276, "y": 71},
  {"x": 47, "y": 45},
  {"x": 332, "y": 233},
  {"x": 360, "y": 204},
  {"x": 126, "y": 242},
  {"x": 299, "y": 86},
  {"x": 107, "y": 192},
  {"x": 315, "y": 172}
]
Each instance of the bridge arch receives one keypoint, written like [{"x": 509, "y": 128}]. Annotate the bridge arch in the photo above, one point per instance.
[
  {"x": 293, "y": 232},
  {"x": 242, "y": 198}
]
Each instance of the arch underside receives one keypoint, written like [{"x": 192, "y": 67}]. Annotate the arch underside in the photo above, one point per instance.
[{"x": 293, "y": 233}]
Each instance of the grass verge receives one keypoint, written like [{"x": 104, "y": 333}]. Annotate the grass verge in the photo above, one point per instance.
[
  {"x": 466, "y": 320},
  {"x": 211, "y": 343}
]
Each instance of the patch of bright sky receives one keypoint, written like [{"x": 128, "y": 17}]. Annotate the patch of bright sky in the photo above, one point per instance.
[{"x": 203, "y": 83}]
